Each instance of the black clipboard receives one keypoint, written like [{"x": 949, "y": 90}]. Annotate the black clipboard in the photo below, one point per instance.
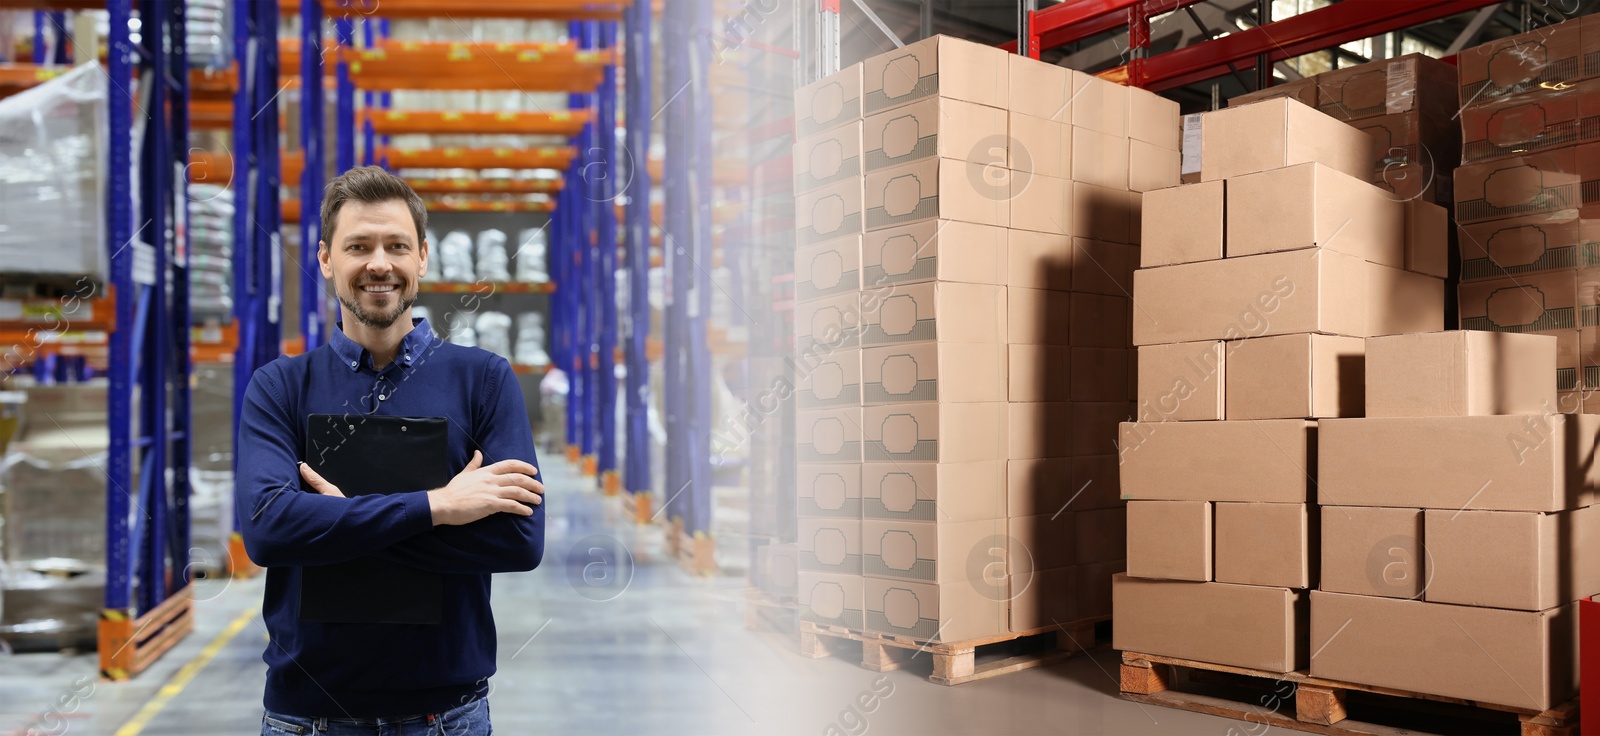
[{"x": 364, "y": 454}]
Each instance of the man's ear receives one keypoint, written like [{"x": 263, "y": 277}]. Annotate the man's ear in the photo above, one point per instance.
[
  {"x": 325, "y": 259},
  {"x": 422, "y": 253}
]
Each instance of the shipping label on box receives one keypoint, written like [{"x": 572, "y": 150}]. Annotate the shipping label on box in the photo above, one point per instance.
[
  {"x": 828, "y": 268},
  {"x": 828, "y": 435},
  {"x": 1296, "y": 377},
  {"x": 1039, "y": 430},
  {"x": 930, "y": 551},
  {"x": 1043, "y": 598},
  {"x": 1557, "y": 241},
  {"x": 1183, "y": 381},
  {"x": 938, "y": 188},
  {"x": 1039, "y": 373},
  {"x": 935, "y": 127},
  {"x": 1046, "y": 541},
  {"x": 1266, "y": 544},
  {"x": 1539, "y": 60},
  {"x": 934, "y": 371},
  {"x": 940, "y": 311},
  {"x": 1527, "y": 303},
  {"x": 827, "y": 324},
  {"x": 1039, "y": 146},
  {"x": 1183, "y": 224},
  {"x": 1276, "y": 133},
  {"x": 827, "y": 213},
  {"x": 950, "y": 612},
  {"x": 831, "y": 102},
  {"x": 1410, "y": 83},
  {"x": 1534, "y": 184},
  {"x": 831, "y": 599},
  {"x": 828, "y": 157},
  {"x": 1239, "y": 625},
  {"x": 935, "y": 432},
  {"x": 1373, "y": 551},
  {"x": 940, "y": 65},
  {"x": 1039, "y": 316},
  {"x": 1313, "y": 206},
  {"x": 1460, "y": 373},
  {"x": 1505, "y": 559},
  {"x": 1169, "y": 540},
  {"x": 934, "y": 250},
  {"x": 828, "y": 491},
  {"x": 835, "y": 380},
  {"x": 1269, "y": 460},
  {"x": 933, "y": 492},
  {"x": 830, "y": 545}
]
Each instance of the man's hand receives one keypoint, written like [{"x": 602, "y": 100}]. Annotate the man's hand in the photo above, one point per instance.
[
  {"x": 476, "y": 492},
  {"x": 318, "y": 483}
]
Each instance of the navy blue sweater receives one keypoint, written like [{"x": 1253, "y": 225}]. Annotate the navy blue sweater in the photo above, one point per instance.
[{"x": 379, "y": 670}]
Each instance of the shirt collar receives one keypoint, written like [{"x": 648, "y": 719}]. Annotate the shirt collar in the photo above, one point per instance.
[{"x": 351, "y": 353}]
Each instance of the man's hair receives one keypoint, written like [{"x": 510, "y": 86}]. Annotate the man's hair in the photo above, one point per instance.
[{"x": 372, "y": 185}]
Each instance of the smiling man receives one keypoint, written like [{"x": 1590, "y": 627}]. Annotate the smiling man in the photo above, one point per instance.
[{"x": 376, "y": 678}]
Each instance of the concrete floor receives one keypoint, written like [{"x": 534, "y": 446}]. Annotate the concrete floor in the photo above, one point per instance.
[{"x": 650, "y": 650}]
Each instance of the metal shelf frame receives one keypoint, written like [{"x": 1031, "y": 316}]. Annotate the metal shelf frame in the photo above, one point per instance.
[{"x": 636, "y": 477}]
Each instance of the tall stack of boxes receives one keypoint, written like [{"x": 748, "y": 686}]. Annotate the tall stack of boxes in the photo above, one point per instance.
[
  {"x": 1258, "y": 286},
  {"x": 1524, "y": 209},
  {"x": 1458, "y": 523}
]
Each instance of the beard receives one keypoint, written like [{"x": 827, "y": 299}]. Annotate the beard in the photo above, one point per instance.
[{"x": 377, "y": 320}]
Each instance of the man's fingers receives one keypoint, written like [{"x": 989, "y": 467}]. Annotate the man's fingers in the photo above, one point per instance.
[
  {"x": 512, "y": 507},
  {"x": 476, "y": 462},
  {"x": 520, "y": 481},
  {"x": 318, "y": 483},
  {"x": 505, "y": 467}
]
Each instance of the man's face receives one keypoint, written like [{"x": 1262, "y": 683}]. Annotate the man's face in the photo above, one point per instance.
[{"x": 374, "y": 261}]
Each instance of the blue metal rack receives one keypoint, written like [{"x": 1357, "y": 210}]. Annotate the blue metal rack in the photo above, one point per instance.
[
  {"x": 604, "y": 171},
  {"x": 677, "y": 236},
  {"x": 638, "y": 448},
  {"x": 313, "y": 301}
]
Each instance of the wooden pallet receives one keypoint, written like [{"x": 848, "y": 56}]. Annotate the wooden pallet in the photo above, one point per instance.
[
  {"x": 960, "y": 662},
  {"x": 1300, "y": 702},
  {"x": 129, "y": 645}
]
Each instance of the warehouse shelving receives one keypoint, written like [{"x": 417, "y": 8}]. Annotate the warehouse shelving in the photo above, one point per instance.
[
  {"x": 637, "y": 81},
  {"x": 475, "y": 122}
]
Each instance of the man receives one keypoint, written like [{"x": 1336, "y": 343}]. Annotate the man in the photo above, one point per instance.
[{"x": 385, "y": 678}]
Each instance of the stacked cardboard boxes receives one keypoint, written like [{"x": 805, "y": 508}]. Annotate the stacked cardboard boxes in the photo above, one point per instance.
[
  {"x": 1258, "y": 286},
  {"x": 1457, "y": 523},
  {"x": 1526, "y": 224}
]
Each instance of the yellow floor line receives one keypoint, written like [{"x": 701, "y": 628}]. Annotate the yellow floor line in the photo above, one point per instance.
[{"x": 181, "y": 680}]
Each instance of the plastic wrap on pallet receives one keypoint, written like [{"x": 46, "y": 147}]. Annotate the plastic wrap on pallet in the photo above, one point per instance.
[
  {"x": 494, "y": 333},
  {"x": 53, "y": 507},
  {"x": 52, "y": 176},
  {"x": 210, "y": 253},
  {"x": 531, "y": 256},
  {"x": 493, "y": 263},
  {"x": 455, "y": 257},
  {"x": 461, "y": 328},
  {"x": 530, "y": 339}
]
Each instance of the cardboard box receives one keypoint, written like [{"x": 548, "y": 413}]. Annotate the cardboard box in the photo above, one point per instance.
[
  {"x": 1039, "y": 146},
  {"x": 1038, "y": 429},
  {"x": 827, "y": 324},
  {"x": 1271, "y": 544},
  {"x": 1038, "y": 316},
  {"x": 828, "y": 212},
  {"x": 1302, "y": 90},
  {"x": 942, "y": 311},
  {"x": 1183, "y": 224},
  {"x": 827, "y": 103},
  {"x": 1282, "y": 294},
  {"x": 1569, "y": 361},
  {"x": 937, "y": 189},
  {"x": 1094, "y": 426},
  {"x": 1039, "y": 373},
  {"x": 1460, "y": 373},
  {"x": 1043, "y": 541},
  {"x": 828, "y": 491},
  {"x": 1101, "y": 106},
  {"x": 1526, "y": 303},
  {"x": 1057, "y": 484},
  {"x": 1313, "y": 206},
  {"x": 827, "y": 157},
  {"x": 1426, "y": 140},
  {"x": 941, "y": 492},
  {"x": 935, "y": 432},
  {"x": 1103, "y": 268},
  {"x": 1427, "y": 238},
  {"x": 1153, "y": 119},
  {"x": 1039, "y": 260},
  {"x": 1537, "y": 183},
  {"x": 783, "y": 571},
  {"x": 1509, "y": 658},
  {"x": 828, "y": 268},
  {"x": 1589, "y": 358},
  {"x": 1152, "y": 167},
  {"x": 835, "y": 380},
  {"x": 1267, "y": 461},
  {"x": 1182, "y": 381},
  {"x": 1505, "y": 463},
  {"x": 1040, "y": 203},
  {"x": 1276, "y": 133},
  {"x": 1410, "y": 83},
  {"x": 934, "y": 371},
  {"x": 1296, "y": 377},
  {"x": 1505, "y": 559},
  {"x": 935, "y": 127},
  {"x": 1096, "y": 320},
  {"x": 828, "y": 435},
  {"x": 928, "y": 551},
  {"x": 1099, "y": 159},
  {"x": 1043, "y": 598},
  {"x": 1373, "y": 551},
  {"x": 1431, "y": 183},
  {"x": 933, "y": 250},
  {"x": 1099, "y": 374},
  {"x": 1509, "y": 126},
  {"x": 940, "y": 65},
  {"x": 1516, "y": 246},
  {"x": 1042, "y": 90},
  {"x": 1102, "y": 213},
  {"x": 937, "y": 613},
  {"x": 1100, "y": 535},
  {"x": 830, "y": 545},
  {"x": 1238, "y": 625},
  {"x": 1093, "y": 585},
  {"x": 832, "y": 599},
  {"x": 1542, "y": 59},
  {"x": 1169, "y": 540}
]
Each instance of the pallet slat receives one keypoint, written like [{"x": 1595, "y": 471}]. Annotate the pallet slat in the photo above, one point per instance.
[{"x": 954, "y": 663}]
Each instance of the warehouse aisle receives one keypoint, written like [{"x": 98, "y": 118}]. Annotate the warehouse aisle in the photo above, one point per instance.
[{"x": 662, "y": 653}]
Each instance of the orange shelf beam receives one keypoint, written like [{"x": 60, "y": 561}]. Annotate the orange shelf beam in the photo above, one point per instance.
[
  {"x": 480, "y": 158},
  {"x": 211, "y": 114},
  {"x": 485, "y": 186},
  {"x": 489, "y": 205},
  {"x": 476, "y": 66},
  {"x": 449, "y": 122},
  {"x": 520, "y": 9},
  {"x": 207, "y": 167},
  {"x": 484, "y": 288}
]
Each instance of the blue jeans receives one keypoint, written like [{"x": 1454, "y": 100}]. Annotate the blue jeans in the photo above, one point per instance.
[{"x": 471, "y": 719}]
